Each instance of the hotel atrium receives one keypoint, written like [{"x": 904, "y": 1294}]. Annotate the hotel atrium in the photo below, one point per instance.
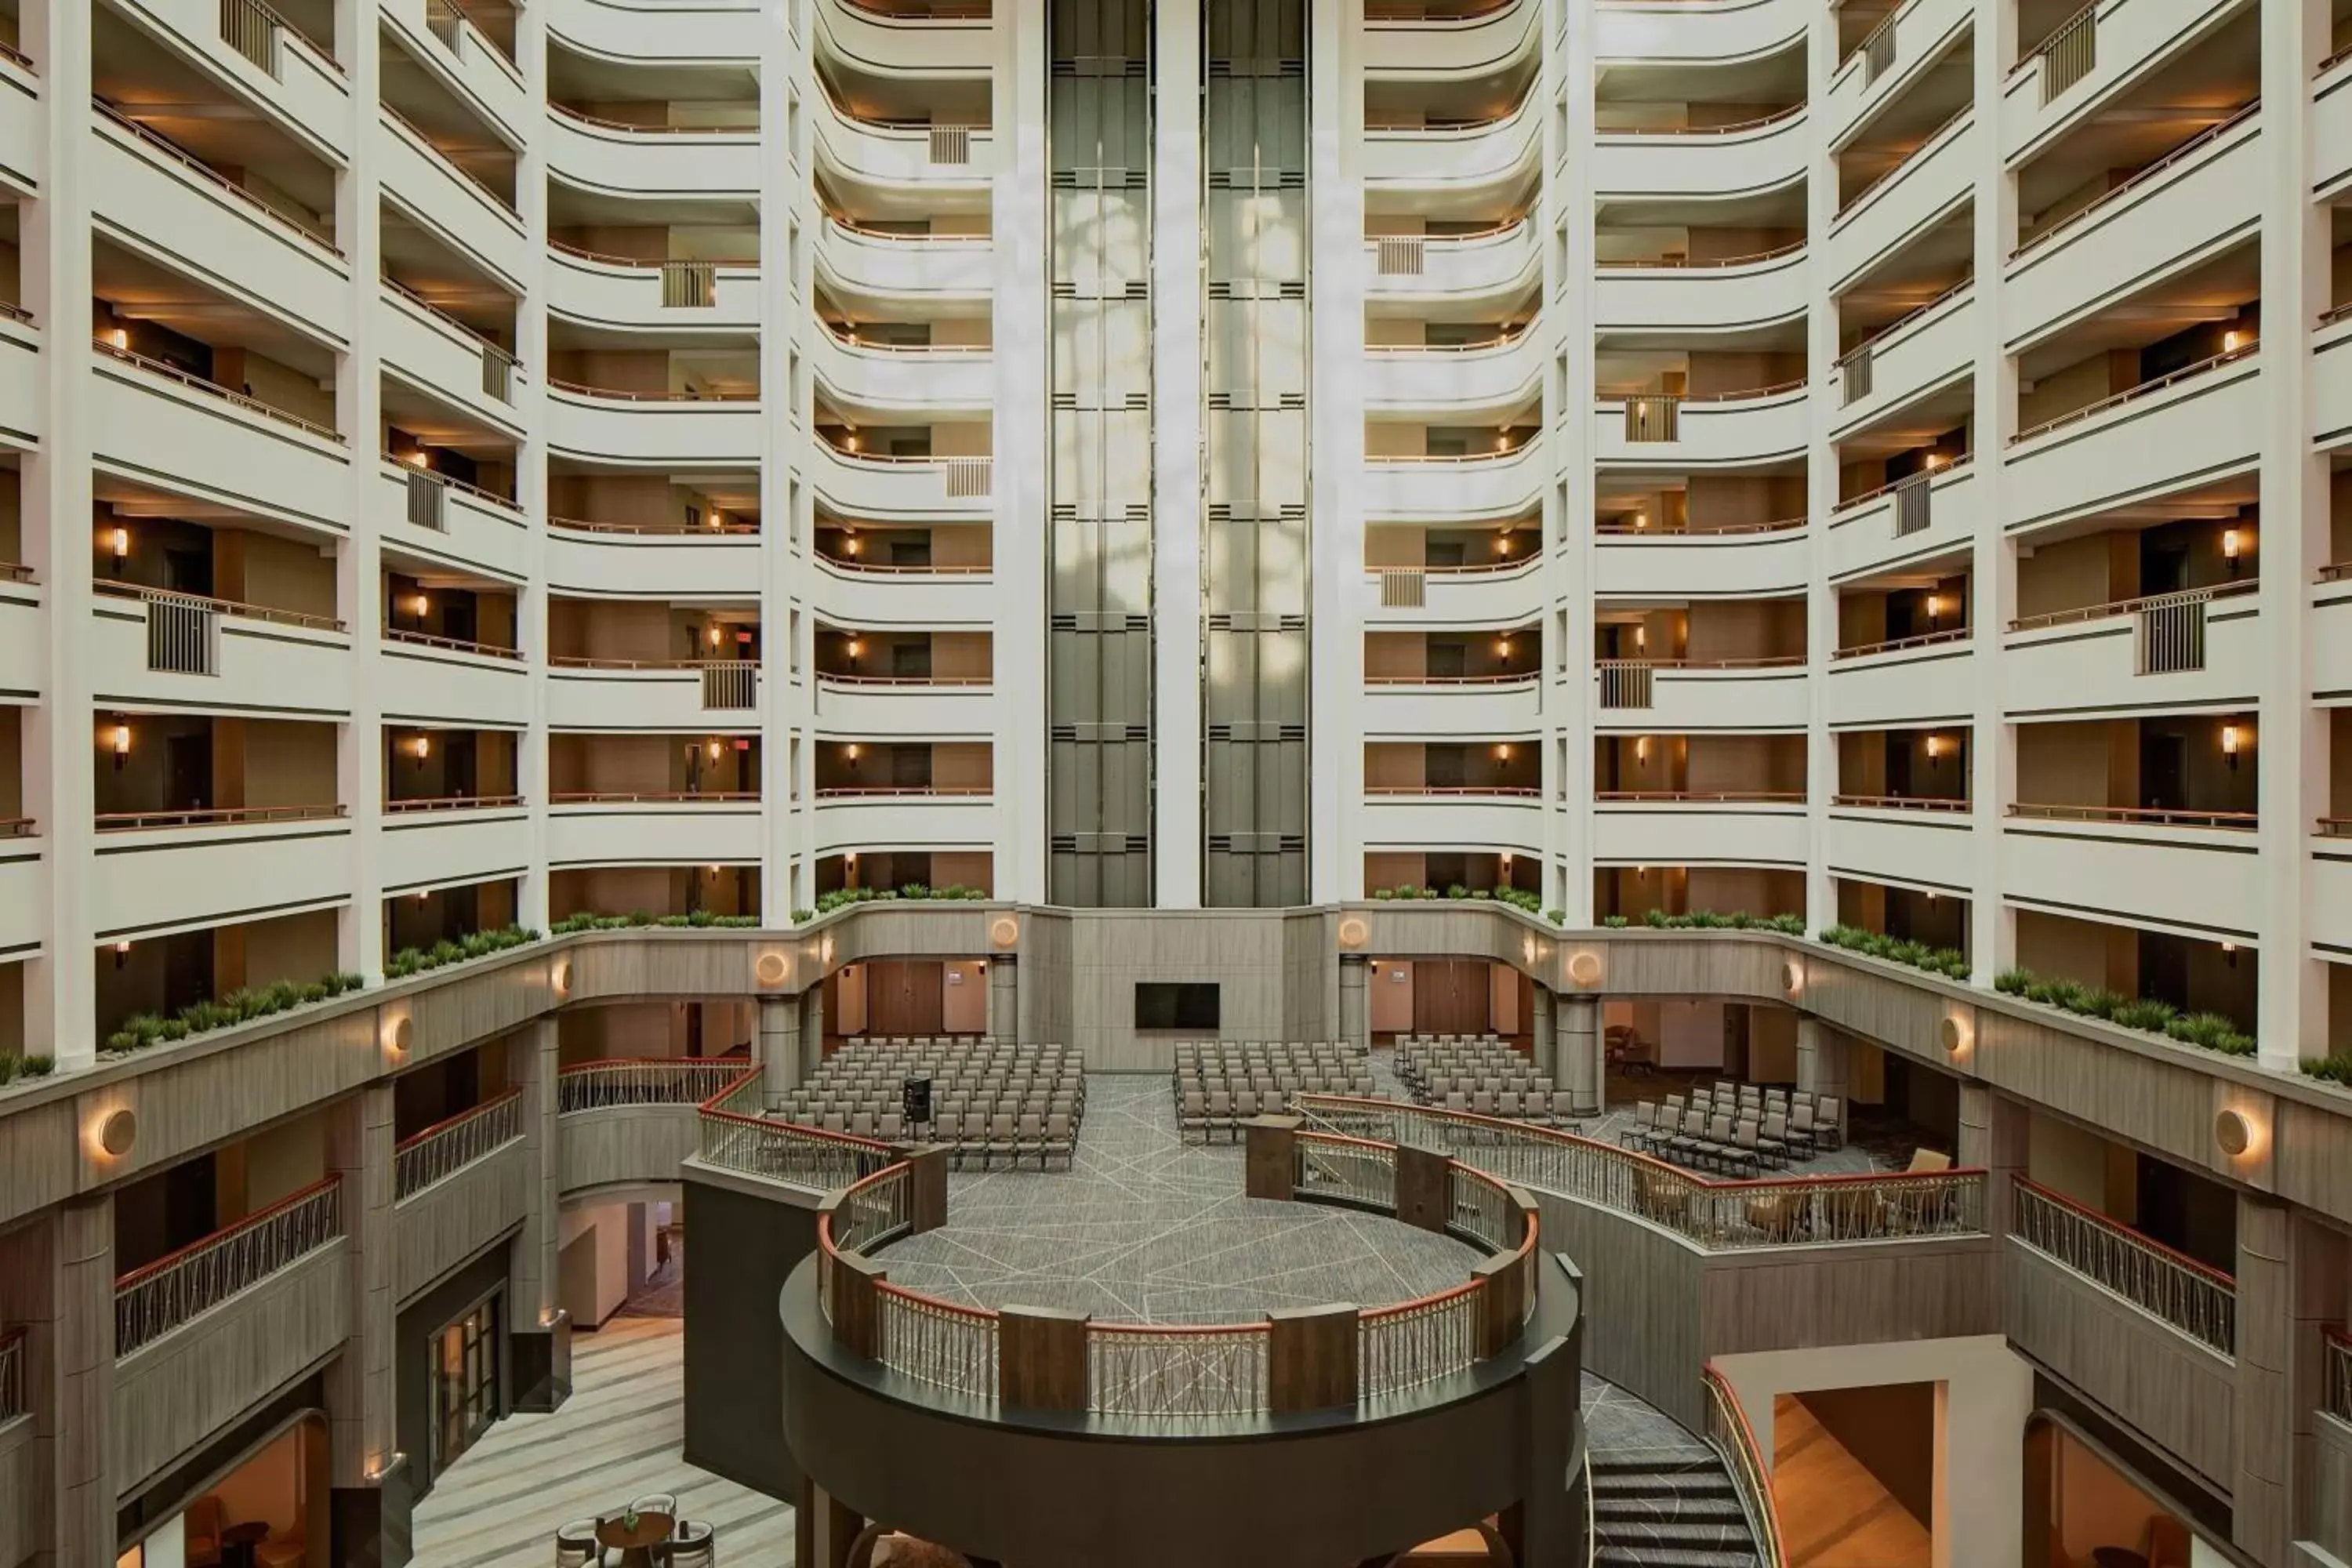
[{"x": 1623, "y": 840}]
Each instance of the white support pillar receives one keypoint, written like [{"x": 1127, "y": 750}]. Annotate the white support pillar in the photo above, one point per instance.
[{"x": 1177, "y": 312}]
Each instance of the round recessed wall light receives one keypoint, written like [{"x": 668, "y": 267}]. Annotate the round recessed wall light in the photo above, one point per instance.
[
  {"x": 1354, "y": 933},
  {"x": 119, "y": 1132},
  {"x": 770, "y": 968},
  {"x": 397, "y": 1033},
  {"x": 1792, "y": 979},
  {"x": 1005, "y": 930},
  {"x": 559, "y": 977},
  {"x": 1584, "y": 968},
  {"x": 1954, "y": 1034},
  {"x": 2233, "y": 1132}
]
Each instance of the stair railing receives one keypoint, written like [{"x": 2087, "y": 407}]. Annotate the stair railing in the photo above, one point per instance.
[{"x": 1729, "y": 1432}]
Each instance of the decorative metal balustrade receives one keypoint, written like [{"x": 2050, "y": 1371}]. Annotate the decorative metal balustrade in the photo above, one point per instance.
[
  {"x": 2070, "y": 53},
  {"x": 1728, "y": 1430},
  {"x": 735, "y": 1136},
  {"x": 2170, "y": 1286},
  {"x": 1345, "y": 1170},
  {"x": 152, "y": 1301},
  {"x": 251, "y": 29},
  {"x": 689, "y": 285},
  {"x": 1626, "y": 683},
  {"x": 2336, "y": 1380},
  {"x": 1653, "y": 417},
  {"x": 600, "y": 1086},
  {"x": 447, "y": 1147},
  {"x": 1402, "y": 1347},
  {"x": 730, "y": 685},
  {"x": 1719, "y": 1216},
  {"x": 937, "y": 1343},
  {"x": 2170, "y": 636},
  {"x": 183, "y": 633},
  {"x": 1913, "y": 503}
]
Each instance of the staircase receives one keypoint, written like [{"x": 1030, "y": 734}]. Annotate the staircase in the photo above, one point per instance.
[{"x": 1671, "y": 1507}]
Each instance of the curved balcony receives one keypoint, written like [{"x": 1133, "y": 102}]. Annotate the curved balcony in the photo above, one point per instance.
[
  {"x": 2331, "y": 124},
  {"x": 623, "y": 560},
  {"x": 443, "y": 197},
  {"x": 1917, "y": 354},
  {"x": 629, "y": 1122},
  {"x": 297, "y": 77},
  {"x": 916, "y": 166},
  {"x": 1744, "y": 158},
  {"x": 1421, "y": 816},
  {"x": 850, "y": 821},
  {"x": 611, "y": 828},
  {"x": 1722, "y": 430},
  {"x": 1676, "y": 827},
  {"x": 895, "y": 706},
  {"x": 1881, "y": 528},
  {"x": 216, "y": 653},
  {"x": 1888, "y": 60},
  {"x": 24, "y": 128},
  {"x": 885, "y": 274},
  {"x": 1748, "y": 561},
  {"x": 451, "y": 520},
  {"x": 1495, "y": 267},
  {"x": 2200, "y": 422},
  {"x": 673, "y": 696},
  {"x": 1735, "y": 294},
  {"x": 1907, "y": 842},
  {"x": 926, "y": 39},
  {"x": 1407, "y": 40},
  {"x": 590, "y": 154},
  {"x": 2130, "y": 36},
  {"x": 469, "y": 60},
  {"x": 1497, "y": 595},
  {"x": 158, "y": 199},
  {"x": 2201, "y": 197},
  {"x": 631, "y": 294},
  {"x": 147, "y": 416},
  {"x": 24, "y": 399},
  {"x": 446, "y": 681},
  {"x": 1476, "y": 384},
  {"x": 880, "y": 384},
  {"x": 1465, "y": 706},
  {"x": 1698, "y": 31},
  {"x": 891, "y": 490},
  {"x": 2331, "y": 378},
  {"x": 1908, "y": 200},
  {"x": 434, "y": 350},
  {"x": 1684, "y": 696},
  {"x": 656, "y": 429},
  {"x": 877, "y": 595},
  {"x": 1486, "y": 487},
  {"x": 709, "y": 30},
  {"x": 179, "y": 869},
  {"x": 445, "y": 840},
  {"x": 2168, "y": 869},
  {"x": 1488, "y": 161},
  {"x": 2202, "y": 648},
  {"x": 1928, "y": 678}
]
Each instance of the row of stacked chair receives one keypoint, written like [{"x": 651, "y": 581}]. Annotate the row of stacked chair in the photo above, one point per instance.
[
  {"x": 1739, "y": 1128},
  {"x": 1219, "y": 1084},
  {"x": 1483, "y": 1074},
  {"x": 994, "y": 1102}
]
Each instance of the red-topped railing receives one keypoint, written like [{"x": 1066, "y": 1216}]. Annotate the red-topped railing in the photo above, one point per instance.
[
  {"x": 164, "y": 1295},
  {"x": 1702, "y": 796},
  {"x": 1897, "y": 645},
  {"x": 2143, "y": 816},
  {"x": 1743, "y": 1457},
  {"x": 2116, "y": 193},
  {"x": 2127, "y": 606},
  {"x": 735, "y": 1136},
  {"x": 455, "y": 645},
  {"x": 215, "y": 389},
  {"x": 448, "y": 1146},
  {"x": 1891, "y": 486},
  {"x": 2144, "y": 389},
  {"x": 211, "y": 817},
  {"x": 655, "y": 1080},
  {"x": 1625, "y": 528},
  {"x": 2196, "y": 1298},
  {"x": 451, "y": 803},
  {"x": 236, "y": 607},
  {"x": 212, "y": 176},
  {"x": 1899, "y": 803}
]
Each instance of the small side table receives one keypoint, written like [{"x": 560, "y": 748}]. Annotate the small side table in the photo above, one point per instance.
[
  {"x": 238, "y": 1540},
  {"x": 636, "y": 1546}
]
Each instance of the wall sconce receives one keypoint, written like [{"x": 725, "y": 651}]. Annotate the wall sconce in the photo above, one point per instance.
[
  {"x": 1354, "y": 933},
  {"x": 1935, "y": 611},
  {"x": 120, "y": 337},
  {"x": 2232, "y": 341},
  {"x": 1935, "y": 747},
  {"x": 121, "y": 954},
  {"x": 850, "y": 752},
  {"x": 849, "y": 545},
  {"x": 1584, "y": 968},
  {"x": 2235, "y": 1133},
  {"x": 770, "y": 969},
  {"x": 115, "y": 1132},
  {"x": 121, "y": 745},
  {"x": 1956, "y": 1035},
  {"x": 2230, "y": 953},
  {"x": 1502, "y": 544},
  {"x": 1641, "y": 520},
  {"x": 420, "y": 607},
  {"x": 854, "y": 649},
  {"x": 1503, "y": 754},
  {"x": 1003, "y": 931},
  {"x": 1502, "y": 648},
  {"x": 1642, "y": 749},
  {"x": 2232, "y": 739},
  {"x": 421, "y": 748},
  {"x": 397, "y": 1033},
  {"x": 1937, "y": 460},
  {"x": 718, "y": 520},
  {"x": 417, "y": 458},
  {"x": 1640, "y": 637},
  {"x": 1641, "y": 873},
  {"x": 715, "y": 749},
  {"x": 559, "y": 979},
  {"x": 849, "y": 440},
  {"x": 716, "y": 635},
  {"x": 1502, "y": 442},
  {"x": 119, "y": 546}
]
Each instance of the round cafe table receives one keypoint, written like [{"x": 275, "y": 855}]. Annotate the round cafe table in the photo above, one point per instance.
[{"x": 636, "y": 1546}]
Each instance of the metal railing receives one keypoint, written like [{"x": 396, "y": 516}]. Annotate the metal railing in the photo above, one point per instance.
[
  {"x": 1734, "y": 1440},
  {"x": 689, "y": 285},
  {"x": 215, "y": 389},
  {"x": 950, "y": 145},
  {"x": 1653, "y": 417},
  {"x": 498, "y": 373},
  {"x": 729, "y": 526},
  {"x": 12, "y": 1375},
  {"x": 2170, "y": 1286},
  {"x": 452, "y": 802},
  {"x": 426, "y": 500},
  {"x": 2169, "y": 636},
  {"x": 1144, "y": 1369},
  {"x": 1402, "y": 1347},
  {"x": 204, "y": 170},
  {"x": 2122, "y": 607},
  {"x": 936, "y": 1342},
  {"x": 648, "y": 796},
  {"x": 1719, "y": 1216},
  {"x": 602, "y": 1086},
  {"x": 1404, "y": 588},
  {"x": 1619, "y": 527},
  {"x": 1878, "y": 51},
  {"x": 2336, "y": 1380},
  {"x": 2145, "y": 388},
  {"x": 696, "y": 395},
  {"x": 1854, "y": 375},
  {"x": 251, "y": 29},
  {"x": 164, "y": 1295},
  {"x": 1626, "y": 683},
  {"x": 1934, "y": 470},
  {"x": 456, "y": 645},
  {"x": 1912, "y": 508},
  {"x": 872, "y": 1213},
  {"x": 2116, "y": 192},
  {"x": 2070, "y": 53},
  {"x": 1703, "y": 797},
  {"x": 445, "y": 22},
  {"x": 410, "y": 464},
  {"x": 1900, "y": 802},
  {"x": 182, "y": 634},
  {"x": 733, "y": 1135},
  {"x": 235, "y": 608},
  {"x": 1344, "y": 1170},
  {"x": 1402, "y": 255},
  {"x": 2153, "y": 816},
  {"x": 448, "y": 1146},
  {"x": 210, "y": 817},
  {"x": 970, "y": 477},
  {"x": 730, "y": 684},
  {"x": 1899, "y": 645}
]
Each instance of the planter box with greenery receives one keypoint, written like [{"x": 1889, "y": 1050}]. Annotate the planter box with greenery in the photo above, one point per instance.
[
  {"x": 1708, "y": 919},
  {"x": 142, "y": 1030},
  {"x": 700, "y": 920},
  {"x": 1948, "y": 961},
  {"x": 411, "y": 960},
  {"x": 1516, "y": 897},
  {"x": 2208, "y": 1031},
  {"x": 27, "y": 1068},
  {"x": 842, "y": 898}
]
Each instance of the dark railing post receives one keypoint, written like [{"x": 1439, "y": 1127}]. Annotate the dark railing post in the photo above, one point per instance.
[
  {"x": 1041, "y": 1358},
  {"x": 1270, "y": 1164},
  {"x": 1425, "y": 1187},
  {"x": 927, "y": 1187},
  {"x": 1310, "y": 1358},
  {"x": 857, "y": 1304}
]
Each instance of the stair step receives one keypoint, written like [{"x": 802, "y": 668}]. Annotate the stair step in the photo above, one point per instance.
[
  {"x": 1706, "y": 1508},
  {"x": 1615, "y": 1556},
  {"x": 1708, "y": 1482},
  {"x": 1706, "y": 1535},
  {"x": 1679, "y": 1458}
]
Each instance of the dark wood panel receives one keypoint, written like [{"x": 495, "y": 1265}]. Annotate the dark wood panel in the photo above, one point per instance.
[{"x": 1886, "y": 1291}]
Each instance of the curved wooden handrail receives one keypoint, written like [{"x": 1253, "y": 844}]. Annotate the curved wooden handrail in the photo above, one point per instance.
[
  {"x": 258, "y": 1216},
  {"x": 879, "y": 569},
  {"x": 618, "y": 394},
  {"x": 1491, "y": 456},
  {"x": 733, "y": 527},
  {"x": 1896, "y": 645},
  {"x": 456, "y": 645},
  {"x": 204, "y": 170},
  {"x": 2114, "y": 194},
  {"x": 211, "y": 817},
  {"x": 433, "y": 148},
  {"x": 450, "y": 803},
  {"x": 1702, "y": 796},
  {"x": 1760, "y": 661},
  {"x": 849, "y": 339},
  {"x": 949, "y": 791},
  {"x": 2155, "y": 817},
  {"x": 1891, "y": 486},
  {"x": 1612, "y": 528},
  {"x": 2138, "y": 1238},
  {"x": 1467, "y": 237},
  {"x": 1420, "y": 13},
  {"x": 429, "y": 308},
  {"x": 1695, "y": 264},
  {"x": 1905, "y": 320},
  {"x": 835, "y": 678},
  {"x": 648, "y": 796},
  {"x": 215, "y": 389},
  {"x": 408, "y": 466},
  {"x": 1449, "y": 791},
  {"x": 642, "y": 263},
  {"x": 1901, "y": 802},
  {"x": 1854, "y": 203},
  {"x": 236, "y": 607},
  {"x": 848, "y": 225},
  {"x": 2129, "y": 607},
  {"x": 1498, "y": 677},
  {"x": 591, "y": 661},
  {"x": 1614, "y": 401},
  {"x": 1733, "y": 127},
  {"x": 2158, "y": 383},
  {"x": 598, "y": 122},
  {"x": 1452, "y": 127}
]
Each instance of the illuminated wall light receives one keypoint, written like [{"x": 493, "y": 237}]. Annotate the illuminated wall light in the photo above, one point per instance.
[
  {"x": 1640, "y": 637},
  {"x": 770, "y": 968},
  {"x": 1354, "y": 933},
  {"x": 1956, "y": 1035},
  {"x": 1003, "y": 931},
  {"x": 2231, "y": 544},
  {"x": 2233, "y": 740},
  {"x": 1641, "y": 520},
  {"x": 1937, "y": 460},
  {"x": 716, "y": 636},
  {"x": 115, "y": 1134},
  {"x": 417, "y": 458},
  {"x": 421, "y": 748},
  {"x": 1642, "y": 749},
  {"x": 121, "y": 954},
  {"x": 2237, "y": 1134},
  {"x": 398, "y": 1032},
  {"x": 715, "y": 749},
  {"x": 121, "y": 745},
  {"x": 850, "y": 545},
  {"x": 2232, "y": 342},
  {"x": 1584, "y": 968},
  {"x": 855, "y": 648},
  {"x": 850, "y": 752},
  {"x": 559, "y": 978},
  {"x": 120, "y": 337},
  {"x": 1503, "y": 754},
  {"x": 1935, "y": 747},
  {"x": 420, "y": 605},
  {"x": 1502, "y": 544},
  {"x": 119, "y": 546}
]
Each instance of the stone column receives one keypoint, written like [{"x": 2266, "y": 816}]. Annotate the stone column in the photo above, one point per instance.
[
  {"x": 1993, "y": 1134},
  {"x": 1354, "y": 1001},
  {"x": 812, "y": 1028},
  {"x": 542, "y": 1333},
  {"x": 1541, "y": 1027},
  {"x": 80, "y": 1414},
  {"x": 1004, "y": 997},
  {"x": 2319, "y": 1261},
  {"x": 1580, "y": 1053},
  {"x": 823, "y": 1529},
  {"x": 369, "y": 1483},
  {"x": 2259, "y": 1520},
  {"x": 1821, "y": 1062},
  {"x": 777, "y": 1045}
]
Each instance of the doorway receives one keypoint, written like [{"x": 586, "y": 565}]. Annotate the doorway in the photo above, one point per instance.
[{"x": 466, "y": 1382}]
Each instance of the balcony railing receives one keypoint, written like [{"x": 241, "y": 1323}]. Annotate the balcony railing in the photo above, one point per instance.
[
  {"x": 18, "y": 826},
  {"x": 238, "y": 608},
  {"x": 1701, "y": 796},
  {"x": 211, "y": 817},
  {"x": 451, "y": 803},
  {"x": 1730, "y": 127},
  {"x": 2144, "y": 389},
  {"x": 2335, "y": 1383},
  {"x": 2114, "y": 194},
  {"x": 410, "y": 463},
  {"x": 1935, "y": 469},
  {"x": 166, "y": 1294},
  {"x": 2176, "y": 1289},
  {"x": 1885, "y": 178},
  {"x": 434, "y": 151},
  {"x": 921, "y": 792},
  {"x": 1897, "y": 645},
  {"x": 2170, "y": 636},
  {"x": 2123, "y": 606},
  {"x": 1452, "y": 792},
  {"x": 1492, "y": 678},
  {"x": 455, "y": 645},
  {"x": 602, "y": 1086},
  {"x": 1899, "y": 803},
  {"x": 648, "y": 796},
  {"x": 2070, "y": 53},
  {"x": 1679, "y": 263},
  {"x": 2144, "y": 815},
  {"x": 730, "y": 684},
  {"x": 1717, "y": 1216},
  {"x": 1728, "y": 1431},
  {"x": 733, "y": 1135},
  {"x": 446, "y": 1147},
  {"x": 212, "y": 176},
  {"x": 12, "y": 1376},
  {"x": 215, "y": 389},
  {"x": 662, "y": 394},
  {"x": 1621, "y": 528},
  {"x": 727, "y": 526},
  {"x": 1626, "y": 683},
  {"x": 886, "y": 568},
  {"x": 853, "y": 678}
]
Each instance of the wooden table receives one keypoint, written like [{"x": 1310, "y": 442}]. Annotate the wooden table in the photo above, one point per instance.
[
  {"x": 238, "y": 1540},
  {"x": 636, "y": 1546}
]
